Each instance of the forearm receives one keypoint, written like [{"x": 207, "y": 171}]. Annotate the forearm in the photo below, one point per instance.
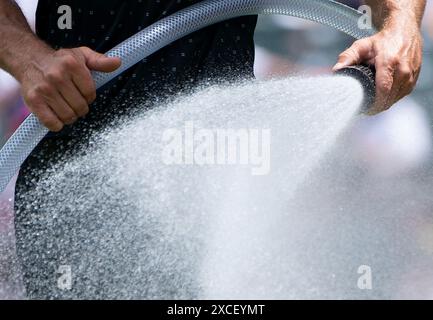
[
  {"x": 390, "y": 12},
  {"x": 18, "y": 44}
]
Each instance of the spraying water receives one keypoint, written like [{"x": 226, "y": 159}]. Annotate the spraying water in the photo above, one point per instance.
[{"x": 160, "y": 208}]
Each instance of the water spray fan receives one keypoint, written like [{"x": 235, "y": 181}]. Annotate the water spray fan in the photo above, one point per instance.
[
  {"x": 178, "y": 25},
  {"x": 366, "y": 75}
]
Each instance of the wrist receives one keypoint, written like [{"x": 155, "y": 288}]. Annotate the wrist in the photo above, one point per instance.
[
  {"x": 401, "y": 19},
  {"x": 27, "y": 52}
]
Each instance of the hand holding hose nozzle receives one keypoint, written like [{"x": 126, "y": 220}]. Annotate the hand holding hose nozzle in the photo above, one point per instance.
[{"x": 367, "y": 76}]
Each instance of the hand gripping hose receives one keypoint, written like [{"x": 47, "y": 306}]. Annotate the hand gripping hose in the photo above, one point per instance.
[{"x": 172, "y": 28}]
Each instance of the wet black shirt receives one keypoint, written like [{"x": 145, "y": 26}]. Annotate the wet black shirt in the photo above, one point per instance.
[{"x": 225, "y": 50}]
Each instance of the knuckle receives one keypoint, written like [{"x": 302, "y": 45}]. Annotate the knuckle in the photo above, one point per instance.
[
  {"x": 32, "y": 97},
  {"x": 83, "y": 48},
  {"x": 43, "y": 89},
  {"x": 60, "y": 53},
  {"x": 69, "y": 62},
  {"x": 55, "y": 76},
  {"x": 406, "y": 72}
]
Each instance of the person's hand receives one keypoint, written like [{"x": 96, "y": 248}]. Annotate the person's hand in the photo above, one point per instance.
[
  {"x": 396, "y": 52},
  {"x": 58, "y": 86}
]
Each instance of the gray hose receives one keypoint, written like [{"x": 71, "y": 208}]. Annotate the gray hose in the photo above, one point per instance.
[{"x": 172, "y": 28}]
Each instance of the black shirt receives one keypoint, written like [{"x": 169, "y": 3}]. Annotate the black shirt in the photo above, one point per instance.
[{"x": 222, "y": 51}]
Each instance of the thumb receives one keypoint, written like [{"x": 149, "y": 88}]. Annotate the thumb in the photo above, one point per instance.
[
  {"x": 99, "y": 62},
  {"x": 360, "y": 51}
]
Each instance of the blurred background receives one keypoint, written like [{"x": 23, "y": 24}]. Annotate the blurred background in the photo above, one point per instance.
[{"x": 391, "y": 150}]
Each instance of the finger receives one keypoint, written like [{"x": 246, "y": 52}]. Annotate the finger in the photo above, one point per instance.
[
  {"x": 400, "y": 87},
  {"x": 360, "y": 51},
  {"x": 408, "y": 80},
  {"x": 49, "y": 119},
  {"x": 61, "y": 108},
  {"x": 75, "y": 85},
  {"x": 384, "y": 85},
  {"x": 402, "y": 92},
  {"x": 73, "y": 69},
  {"x": 74, "y": 98},
  {"x": 99, "y": 62},
  {"x": 81, "y": 76},
  {"x": 44, "y": 113},
  {"x": 83, "y": 81},
  {"x": 414, "y": 70}
]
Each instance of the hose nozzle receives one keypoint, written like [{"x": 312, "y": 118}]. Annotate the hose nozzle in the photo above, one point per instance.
[{"x": 367, "y": 76}]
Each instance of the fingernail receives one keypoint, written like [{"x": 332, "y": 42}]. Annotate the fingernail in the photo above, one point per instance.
[{"x": 338, "y": 66}]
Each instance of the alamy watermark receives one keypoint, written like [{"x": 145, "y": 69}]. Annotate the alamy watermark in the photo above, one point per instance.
[
  {"x": 365, "y": 22},
  {"x": 65, "y": 19},
  {"x": 365, "y": 281},
  {"x": 193, "y": 146},
  {"x": 64, "y": 280}
]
